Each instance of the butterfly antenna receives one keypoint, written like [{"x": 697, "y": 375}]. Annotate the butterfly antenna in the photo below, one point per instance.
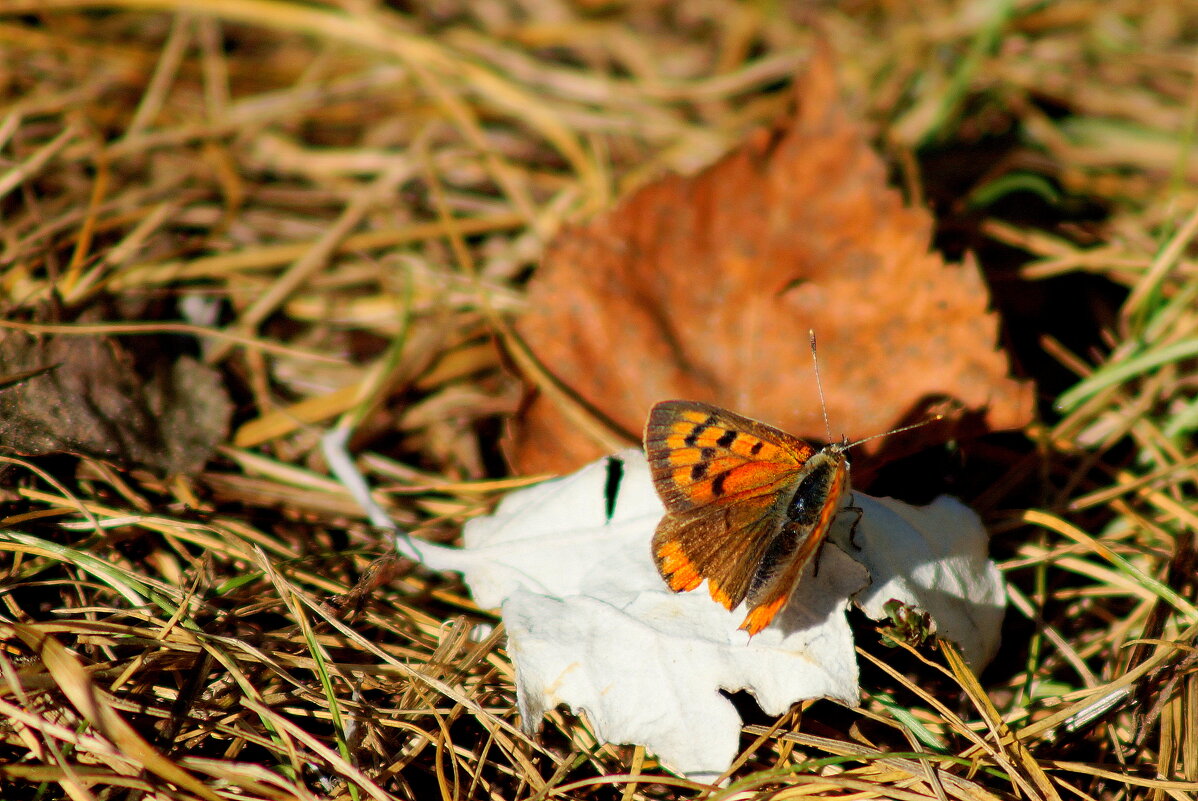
[
  {"x": 920, "y": 424},
  {"x": 822, "y": 404}
]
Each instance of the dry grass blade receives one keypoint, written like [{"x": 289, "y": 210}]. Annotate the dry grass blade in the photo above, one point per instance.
[
  {"x": 71, "y": 678},
  {"x": 1018, "y": 754}
]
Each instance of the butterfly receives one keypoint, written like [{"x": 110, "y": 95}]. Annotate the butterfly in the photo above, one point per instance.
[{"x": 747, "y": 505}]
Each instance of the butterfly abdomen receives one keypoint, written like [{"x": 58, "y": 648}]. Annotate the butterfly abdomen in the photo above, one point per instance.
[{"x": 809, "y": 514}]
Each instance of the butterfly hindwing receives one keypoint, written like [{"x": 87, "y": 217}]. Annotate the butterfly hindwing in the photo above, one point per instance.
[{"x": 704, "y": 543}]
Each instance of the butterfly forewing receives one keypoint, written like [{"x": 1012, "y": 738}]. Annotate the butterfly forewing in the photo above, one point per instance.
[
  {"x": 701, "y": 454},
  {"x": 720, "y": 477}
]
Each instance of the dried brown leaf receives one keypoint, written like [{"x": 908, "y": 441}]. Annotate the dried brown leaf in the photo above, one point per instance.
[
  {"x": 705, "y": 288},
  {"x": 93, "y": 402}
]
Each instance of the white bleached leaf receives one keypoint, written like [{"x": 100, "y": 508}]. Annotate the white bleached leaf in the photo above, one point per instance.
[
  {"x": 593, "y": 626},
  {"x": 934, "y": 557}
]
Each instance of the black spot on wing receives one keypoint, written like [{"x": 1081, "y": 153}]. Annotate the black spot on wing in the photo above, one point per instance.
[
  {"x": 696, "y": 432},
  {"x": 726, "y": 439}
]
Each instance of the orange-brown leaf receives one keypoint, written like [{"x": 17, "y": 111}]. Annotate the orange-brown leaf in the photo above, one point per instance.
[{"x": 705, "y": 287}]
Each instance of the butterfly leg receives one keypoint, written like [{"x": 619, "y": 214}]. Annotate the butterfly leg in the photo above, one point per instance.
[{"x": 853, "y": 528}]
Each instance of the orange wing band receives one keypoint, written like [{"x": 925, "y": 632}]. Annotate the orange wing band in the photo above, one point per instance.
[
  {"x": 761, "y": 616},
  {"x": 682, "y": 574},
  {"x": 718, "y": 595}
]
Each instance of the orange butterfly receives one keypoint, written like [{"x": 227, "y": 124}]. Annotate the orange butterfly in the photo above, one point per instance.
[{"x": 747, "y": 505}]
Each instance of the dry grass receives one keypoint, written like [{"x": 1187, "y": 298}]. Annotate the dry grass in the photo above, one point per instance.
[{"x": 333, "y": 204}]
